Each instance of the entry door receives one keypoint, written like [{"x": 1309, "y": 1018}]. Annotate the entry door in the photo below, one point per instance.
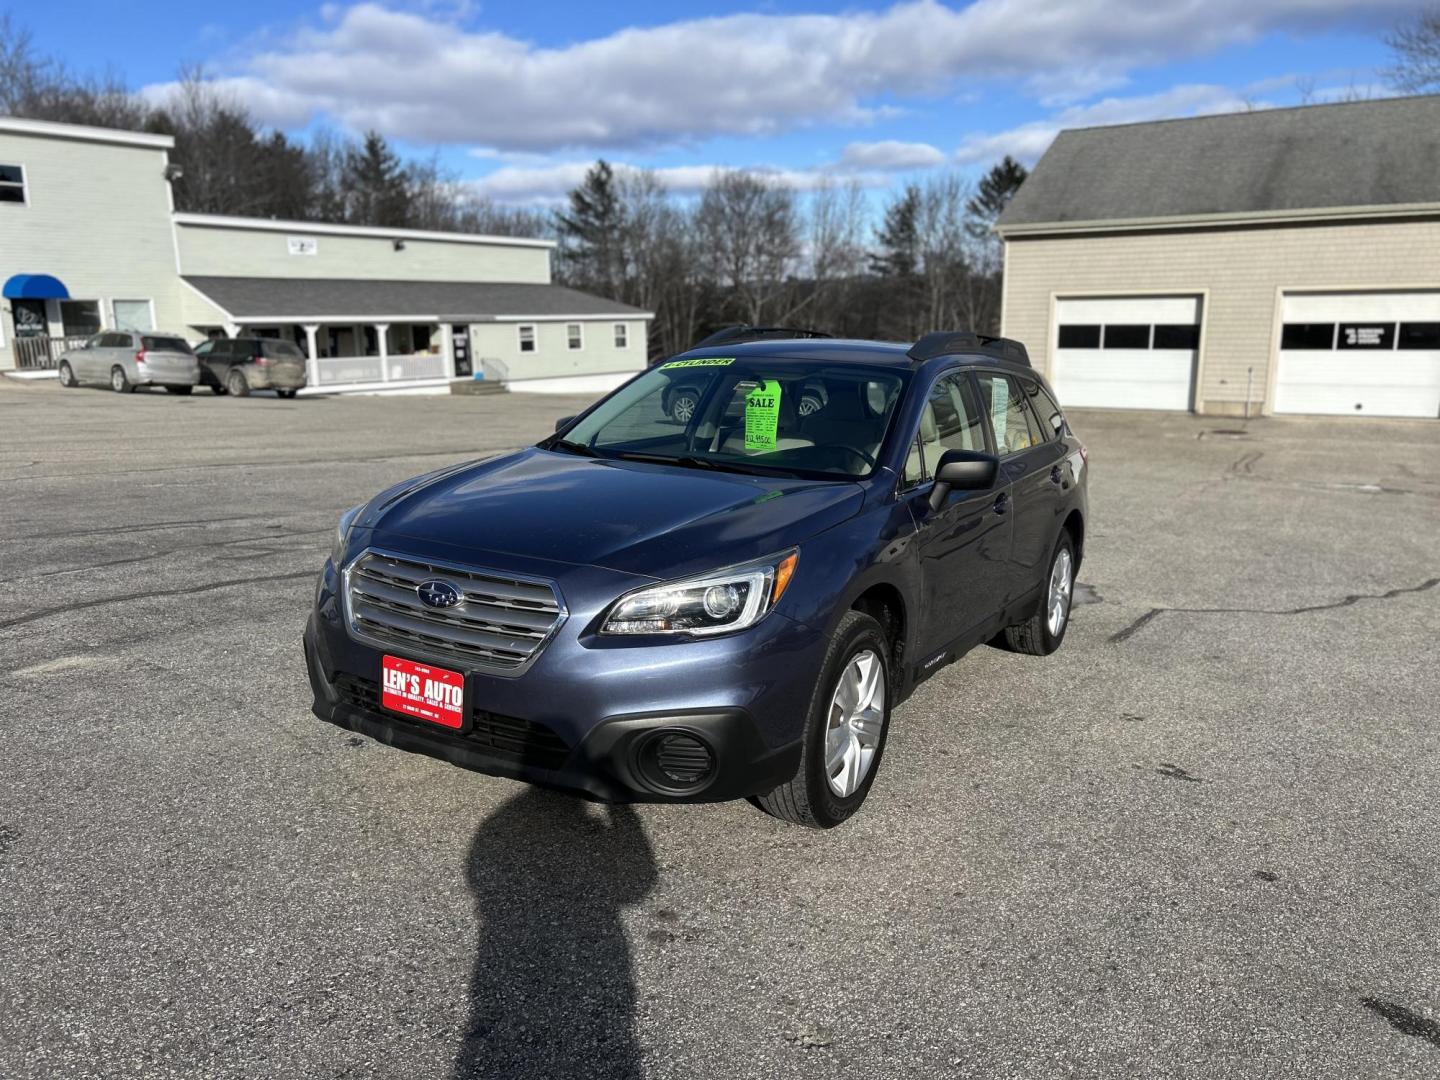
[
  {"x": 1365, "y": 354},
  {"x": 1136, "y": 352},
  {"x": 964, "y": 546}
]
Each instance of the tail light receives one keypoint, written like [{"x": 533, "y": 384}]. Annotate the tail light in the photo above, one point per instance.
[
  {"x": 140, "y": 357},
  {"x": 262, "y": 361}
]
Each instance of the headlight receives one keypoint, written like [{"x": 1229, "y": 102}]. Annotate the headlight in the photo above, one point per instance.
[
  {"x": 717, "y": 603},
  {"x": 342, "y": 534}
]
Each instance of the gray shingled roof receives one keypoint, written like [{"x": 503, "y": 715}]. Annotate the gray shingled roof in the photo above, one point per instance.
[
  {"x": 323, "y": 298},
  {"x": 1364, "y": 153}
]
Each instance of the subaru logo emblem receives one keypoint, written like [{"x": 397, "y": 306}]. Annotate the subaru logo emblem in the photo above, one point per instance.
[{"x": 438, "y": 594}]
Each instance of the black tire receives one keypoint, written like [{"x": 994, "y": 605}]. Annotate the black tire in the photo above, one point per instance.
[
  {"x": 807, "y": 798},
  {"x": 237, "y": 384},
  {"x": 218, "y": 390},
  {"x": 67, "y": 376},
  {"x": 119, "y": 381},
  {"x": 1033, "y": 636},
  {"x": 285, "y": 393},
  {"x": 181, "y": 390}
]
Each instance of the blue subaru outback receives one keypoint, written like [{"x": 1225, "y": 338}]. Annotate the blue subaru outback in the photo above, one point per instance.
[{"x": 721, "y": 604}]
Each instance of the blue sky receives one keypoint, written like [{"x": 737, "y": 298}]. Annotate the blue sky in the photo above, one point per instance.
[{"x": 519, "y": 97}]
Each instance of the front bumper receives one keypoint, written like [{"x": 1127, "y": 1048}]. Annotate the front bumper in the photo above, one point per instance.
[{"x": 579, "y": 718}]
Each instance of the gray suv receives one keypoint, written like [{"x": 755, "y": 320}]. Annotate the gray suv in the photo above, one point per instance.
[
  {"x": 237, "y": 366},
  {"x": 129, "y": 358}
]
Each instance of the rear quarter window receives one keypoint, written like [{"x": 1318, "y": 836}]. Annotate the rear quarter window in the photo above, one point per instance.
[{"x": 281, "y": 350}]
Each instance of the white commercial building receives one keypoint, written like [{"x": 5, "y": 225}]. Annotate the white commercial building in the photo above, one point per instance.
[{"x": 89, "y": 237}]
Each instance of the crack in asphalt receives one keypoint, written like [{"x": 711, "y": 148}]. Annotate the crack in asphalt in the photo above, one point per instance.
[
  {"x": 153, "y": 526},
  {"x": 468, "y": 454},
  {"x": 84, "y": 605},
  {"x": 1135, "y": 627},
  {"x": 249, "y": 553}
]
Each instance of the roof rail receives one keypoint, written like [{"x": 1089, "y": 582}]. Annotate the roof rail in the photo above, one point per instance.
[
  {"x": 946, "y": 342},
  {"x": 734, "y": 335}
]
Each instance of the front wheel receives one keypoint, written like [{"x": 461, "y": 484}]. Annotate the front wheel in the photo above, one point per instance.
[
  {"x": 844, "y": 731},
  {"x": 1042, "y": 633},
  {"x": 119, "y": 381},
  {"x": 67, "y": 377}
]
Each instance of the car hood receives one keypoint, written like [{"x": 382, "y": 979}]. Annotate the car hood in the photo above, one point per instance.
[{"x": 658, "y": 521}]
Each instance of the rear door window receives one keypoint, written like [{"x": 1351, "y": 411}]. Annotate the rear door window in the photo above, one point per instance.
[{"x": 1011, "y": 422}]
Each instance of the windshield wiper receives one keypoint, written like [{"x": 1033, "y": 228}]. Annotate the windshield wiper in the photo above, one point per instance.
[
  {"x": 572, "y": 447},
  {"x": 690, "y": 461}
]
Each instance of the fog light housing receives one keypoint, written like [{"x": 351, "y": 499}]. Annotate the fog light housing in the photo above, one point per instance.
[{"x": 675, "y": 762}]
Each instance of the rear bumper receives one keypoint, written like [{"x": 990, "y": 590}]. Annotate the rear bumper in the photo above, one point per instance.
[
  {"x": 262, "y": 379},
  {"x": 162, "y": 377}
]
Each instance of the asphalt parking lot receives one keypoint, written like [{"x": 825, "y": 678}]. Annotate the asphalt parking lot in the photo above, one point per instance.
[{"x": 1200, "y": 841}]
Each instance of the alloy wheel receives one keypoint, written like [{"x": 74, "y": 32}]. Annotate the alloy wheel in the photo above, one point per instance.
[
  {"x": 684, "y": 408},
  {"x": 857, "y": 718},
  {"x": 1062, "y": 583}
]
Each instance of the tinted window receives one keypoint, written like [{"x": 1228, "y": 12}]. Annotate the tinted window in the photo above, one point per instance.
[
  {"x": 166, "y": 344},
  {"x": 1308, "y": 336},
  {"x": 1177, "y": 337},
  {"x": 1420, "y": 335},
  {"x": 1079, "y": 337},
  {"x": 1052, "y": 420},
  {"x": 1366, "y": 336},
  {"x": 1008, "y": 419},
  {"x": 1127, "y": 337},
  {"x": 282, "y": 350},
  {"x": 116, "y": 341}
]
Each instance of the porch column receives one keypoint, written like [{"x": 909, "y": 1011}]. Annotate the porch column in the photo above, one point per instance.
[
  {"x": 381, "y": 331},
  {"x": 232, "y": 330},
  {"x": 447, "y": 348},
  {"x": 312, "y": 355}
]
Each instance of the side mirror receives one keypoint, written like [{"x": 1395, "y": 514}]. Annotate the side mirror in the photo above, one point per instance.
[
  {"x": 563, "y": 422},
  {"x": 967, "y": 470}
]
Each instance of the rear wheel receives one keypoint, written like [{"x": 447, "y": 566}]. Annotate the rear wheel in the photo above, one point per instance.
[
  {"x": 1042, "y": 633},
  {"x": 683, "y": 407},
  {"x": 67, "y": 377},
  {"x": 844, "y": 731},
  {"x": 218, "y": 390},
  {"x": 119, "y": 381},
  {"x": 236, "y": 383},
  {"x": 182, "y": 390}
]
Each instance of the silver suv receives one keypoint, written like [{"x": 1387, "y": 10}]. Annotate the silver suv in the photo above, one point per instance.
[{"x": 129, "y": 358}]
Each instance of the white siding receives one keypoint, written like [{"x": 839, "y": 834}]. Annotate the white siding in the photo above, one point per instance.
[
  {"x": 225, "y": 251},
  {"x": 97, "y": 218},
  {"x": 552, "y": 358}
]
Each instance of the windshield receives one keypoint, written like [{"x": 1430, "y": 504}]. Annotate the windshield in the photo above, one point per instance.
[{"x": 749, "y": 414}]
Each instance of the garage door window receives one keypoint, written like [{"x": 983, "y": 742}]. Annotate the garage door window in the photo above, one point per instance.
[
  {"x": 1177, "y": 337},
  {"x": 1308, "y": 336},
  {"x": 1079, "y": 337},
  {"x": 1420, "y": 335},
  {"x": 1366, "y": 336},
  {"x": 1127, "y": 337}
]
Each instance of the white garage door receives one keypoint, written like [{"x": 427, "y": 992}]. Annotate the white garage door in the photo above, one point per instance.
[
  {"x": 1126, "y": 352},
  {"x": 1372, "y": 354}
]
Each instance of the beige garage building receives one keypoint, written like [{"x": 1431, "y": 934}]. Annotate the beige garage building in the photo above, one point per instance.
[{"x": 1278, "y": 261}]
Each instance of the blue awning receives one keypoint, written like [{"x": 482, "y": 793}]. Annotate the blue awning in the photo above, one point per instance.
[{"x": 35, "y": 287}]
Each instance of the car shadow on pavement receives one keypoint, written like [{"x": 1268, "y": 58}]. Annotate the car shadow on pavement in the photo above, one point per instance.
[{"x": 552, "y": 993}]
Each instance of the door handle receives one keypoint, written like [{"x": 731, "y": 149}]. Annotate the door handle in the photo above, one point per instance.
[{"x": 1002, "y": 503}]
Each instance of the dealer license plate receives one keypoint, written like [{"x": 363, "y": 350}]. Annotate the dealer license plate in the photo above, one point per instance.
[{"x": 423, "y": 692}]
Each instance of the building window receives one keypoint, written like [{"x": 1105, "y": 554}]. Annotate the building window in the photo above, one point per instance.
[
  {"x": 80, "y": 318},
  {"x": 1420, "y": 335},
  {"x": 1308, "y": 335},
  {"x": 1079, "y": 337},
  {"x": 622, "y": 336},
  {"x": 573, "y": 338},
  {"x": 527, "y": 338},
  {"x": 1366, "y": 336},
  {"x": 1127, "y": 336},
  {"x": 133, "y": 315},
  {"x": 1177, "y": 337},
  {"x": 12, "y": 184}
]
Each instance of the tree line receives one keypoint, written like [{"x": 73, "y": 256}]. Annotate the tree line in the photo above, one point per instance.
[{"x": 747, "y": 248}]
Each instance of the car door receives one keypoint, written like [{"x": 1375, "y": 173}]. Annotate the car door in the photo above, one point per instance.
[
  {"x": 964, "y": 544},
  {"x": 1032, "y": 464},
  {"x": 84, "y": 361}
]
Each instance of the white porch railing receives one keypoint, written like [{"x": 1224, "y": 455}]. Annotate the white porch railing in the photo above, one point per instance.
[
  {"x": 354, "y": 369},
  {"x": 43, "y": 352}
]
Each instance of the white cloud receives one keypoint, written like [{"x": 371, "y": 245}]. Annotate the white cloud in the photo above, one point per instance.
[
  {"x": 545, "y": 185},
  {"x": 421, "y": 76},
  {"x": 1028, "y": 141},
  {"x": 891, "y": 156}
]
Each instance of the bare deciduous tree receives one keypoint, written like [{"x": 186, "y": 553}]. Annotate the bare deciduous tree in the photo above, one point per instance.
[
  {"x": 1416, "y": 45},
  {"x": 750, "y": 234}
]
